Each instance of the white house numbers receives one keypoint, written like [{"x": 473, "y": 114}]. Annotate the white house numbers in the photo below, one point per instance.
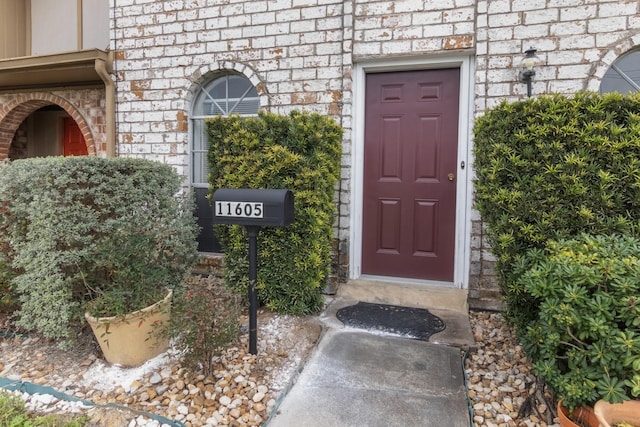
[{"x": 239, "y": 209}]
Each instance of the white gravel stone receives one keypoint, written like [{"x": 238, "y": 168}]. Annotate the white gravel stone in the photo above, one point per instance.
[
  {"x": 498, "y": 375},
  {"x": 225, "y": 400}
]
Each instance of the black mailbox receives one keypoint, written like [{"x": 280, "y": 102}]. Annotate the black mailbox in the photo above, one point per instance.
[{"x": 252, "y": 207}]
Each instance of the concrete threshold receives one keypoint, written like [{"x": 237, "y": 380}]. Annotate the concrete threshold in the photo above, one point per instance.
[{"x": 450, "y": 304}]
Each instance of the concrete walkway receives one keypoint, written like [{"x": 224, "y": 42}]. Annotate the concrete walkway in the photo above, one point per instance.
[{"x": 358, "y": 378}]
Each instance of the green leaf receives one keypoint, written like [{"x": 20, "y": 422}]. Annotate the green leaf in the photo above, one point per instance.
[{"x": 611, "y": 389}]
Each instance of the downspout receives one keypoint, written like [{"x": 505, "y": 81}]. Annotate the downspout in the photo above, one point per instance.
[{"x": 104, "y": 70}]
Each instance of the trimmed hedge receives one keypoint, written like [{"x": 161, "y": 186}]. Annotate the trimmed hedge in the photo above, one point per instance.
[
  {"x": 77, "y": 228},
  {"x": 300, "y": 152},
  {"x": 554, "y": 167}
]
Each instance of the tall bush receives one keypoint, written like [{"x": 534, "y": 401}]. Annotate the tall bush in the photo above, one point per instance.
[
  {"x": 85, "y": 227},
  {"x": 300, "y": 152},
  {"x": 553, "y": 167}
]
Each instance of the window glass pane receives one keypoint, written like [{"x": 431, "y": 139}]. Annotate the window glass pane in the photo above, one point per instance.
[
  {"x": 239, "y": 86},
  {"x": 217, "y": 89},
  {"x": 199, "y": 135},
  {"x": 200, "y": 169},
  {"x": 225, "y": 95},
  {"x": 624, "y": 74},
  {"x": 247, "y": 106}
]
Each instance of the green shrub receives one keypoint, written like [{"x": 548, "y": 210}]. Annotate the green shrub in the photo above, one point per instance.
[
  {"x": 204, "y": 319},
  {"x": 8, "y": 297},
  {"x": 300, "y": 152},
  {"x": 13, "y": 413},
  {"x": 585, "y": 340},
  {"x": 82, "y": 228},
  {"x": 553, "y": 167}
]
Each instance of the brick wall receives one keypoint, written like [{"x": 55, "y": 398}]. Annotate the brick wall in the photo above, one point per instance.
[
  {"x": 402, "y": 28},
  {"x": 577, "y": 42},
  {"x": 85, "y": 106},
  {"x": 295, "y": 52},
  {"x": 19, "y": 149},
  {"x": 291, "y": 50},
  {"x": 300, "y": 54}
]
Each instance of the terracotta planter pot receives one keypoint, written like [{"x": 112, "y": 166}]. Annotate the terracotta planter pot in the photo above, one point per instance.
[
  {"x": 580, "y": 417},
  {"x": 132, "y": 339},
  {"x": 609, "y": 414}
]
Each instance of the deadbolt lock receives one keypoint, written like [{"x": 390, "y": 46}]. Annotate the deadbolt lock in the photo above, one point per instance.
[{"x": 451, "y": 177}]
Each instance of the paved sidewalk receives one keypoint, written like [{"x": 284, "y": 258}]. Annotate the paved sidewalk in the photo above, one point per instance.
[{"x": 356, "y": 378}]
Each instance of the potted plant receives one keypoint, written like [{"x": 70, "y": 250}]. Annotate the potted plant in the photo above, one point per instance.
[
  {"x": 134, "y": 337},
  {"x": 129, "y": 295},
  {"x": 103, "y": 236},
  {"x": 583, "y": 416},
  {"x": 585, "y": 341}
]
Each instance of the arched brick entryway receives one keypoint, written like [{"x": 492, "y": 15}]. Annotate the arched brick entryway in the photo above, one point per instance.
[{"x": 13, "y": 113}]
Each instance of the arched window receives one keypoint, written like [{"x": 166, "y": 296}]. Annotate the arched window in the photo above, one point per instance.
[
  {"x": 624, "y": 74},
  {"x": 222, "y": 96}
]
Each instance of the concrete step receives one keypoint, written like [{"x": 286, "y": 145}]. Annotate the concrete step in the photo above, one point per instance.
[
  {"x": 406, "y": 294},
  {"x": 450, "y": 304}
]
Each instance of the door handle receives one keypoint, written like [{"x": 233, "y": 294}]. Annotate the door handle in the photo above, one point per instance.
[{"x": 451, "y": 177}]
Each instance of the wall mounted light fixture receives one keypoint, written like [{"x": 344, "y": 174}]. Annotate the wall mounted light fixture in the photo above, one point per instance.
[{"x": 527, "y": 70}]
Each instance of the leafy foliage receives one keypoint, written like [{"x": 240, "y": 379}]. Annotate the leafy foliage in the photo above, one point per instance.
[
  {"x": 204, "y": 319},
  {"x": 585, "y": 340},
  {"x": 13, "y": 413},
  {"x": 300, "y": 152},
  {"x": 8, "y": 298},
  {"x": 550, "y": 168},
  {"x": 84, "y": 229}
]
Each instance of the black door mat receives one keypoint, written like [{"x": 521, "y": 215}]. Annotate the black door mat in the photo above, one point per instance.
[{"x": 415, "y": 323}]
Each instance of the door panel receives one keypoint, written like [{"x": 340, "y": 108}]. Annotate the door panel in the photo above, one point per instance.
[
  {"x": 389, "y": 235},
  {"x": 74, "y": 144},
  {"x": 424, "y": 221},
  {"x": 410, "y": 159}
]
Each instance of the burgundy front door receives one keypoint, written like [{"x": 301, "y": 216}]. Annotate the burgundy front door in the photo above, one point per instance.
[{"x": 410, "y": 159}]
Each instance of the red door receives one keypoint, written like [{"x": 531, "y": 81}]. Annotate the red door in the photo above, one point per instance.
[
  {"x": 410, "y": 158},
  {"x": 74, "y": 144}
]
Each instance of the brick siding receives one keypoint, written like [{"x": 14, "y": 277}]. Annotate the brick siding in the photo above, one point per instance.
[
  {"x": 85, "y": 106},
  {"x": 300, "y": 54}
]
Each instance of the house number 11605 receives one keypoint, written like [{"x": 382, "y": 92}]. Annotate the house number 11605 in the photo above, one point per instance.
[{"x": 240, "y": 209}]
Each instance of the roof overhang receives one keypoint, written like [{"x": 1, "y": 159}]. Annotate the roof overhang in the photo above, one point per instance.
[{"x": 56, "y": 70}]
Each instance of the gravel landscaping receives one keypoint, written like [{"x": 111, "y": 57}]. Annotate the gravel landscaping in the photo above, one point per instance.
[
  {"x": 243, "y": 391},
  {"x": 246, "y": 388},
  {"x": 499, "y": 378}
]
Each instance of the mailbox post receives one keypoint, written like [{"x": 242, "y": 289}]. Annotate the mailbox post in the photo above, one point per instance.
[{"x": 253, "y": 209}]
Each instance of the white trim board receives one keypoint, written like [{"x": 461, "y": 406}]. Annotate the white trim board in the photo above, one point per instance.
[{"x": 464, "y": 187}]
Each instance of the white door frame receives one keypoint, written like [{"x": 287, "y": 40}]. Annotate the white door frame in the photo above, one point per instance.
[{"x": 464, "y": 187}]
